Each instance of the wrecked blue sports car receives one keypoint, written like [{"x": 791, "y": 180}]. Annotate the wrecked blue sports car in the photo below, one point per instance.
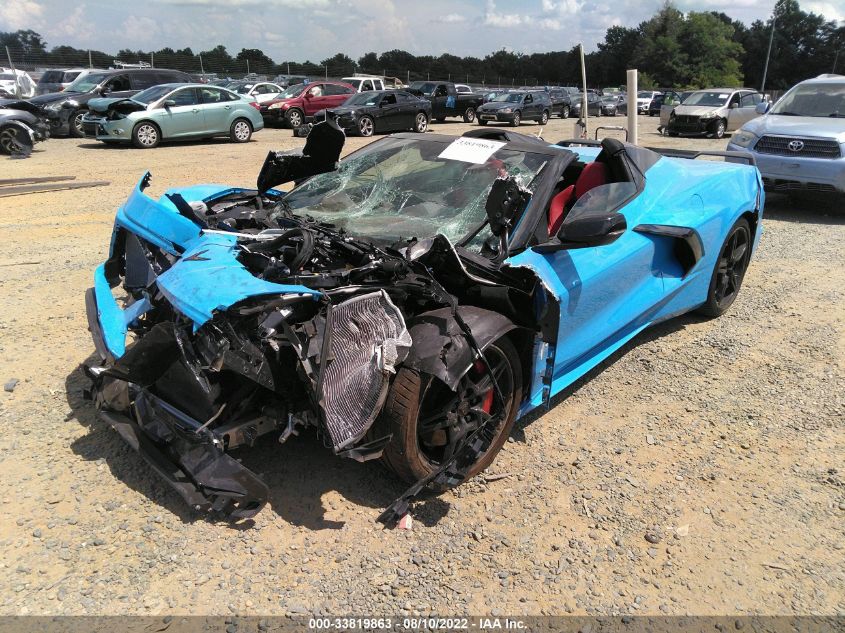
[{"x": 408, "y": 303}]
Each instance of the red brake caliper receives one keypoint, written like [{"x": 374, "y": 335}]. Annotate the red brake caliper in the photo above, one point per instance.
[{"x": 487, "y": 401}]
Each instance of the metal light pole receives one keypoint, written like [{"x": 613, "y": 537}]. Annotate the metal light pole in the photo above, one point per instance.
[
  {"x": 585, "y": 113},
  {"x": 768, "y": 54}
]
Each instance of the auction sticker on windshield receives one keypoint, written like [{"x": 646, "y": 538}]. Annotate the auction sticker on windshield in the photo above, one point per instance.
[{"x": 471, "y": 150}]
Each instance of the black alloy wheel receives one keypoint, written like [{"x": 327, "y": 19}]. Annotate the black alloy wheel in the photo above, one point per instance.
[{"x": 729, "y": 270}]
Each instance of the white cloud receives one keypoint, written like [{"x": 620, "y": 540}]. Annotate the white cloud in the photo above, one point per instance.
[
  {"x": 75, "y": 25},
  {"x": 140, "y": 31},
  {"x": 503, "y": 20},
  {"x": 829, "y": 10},
  {"x": 20, "y": 14},
  {"x": 450, "y": 18}
]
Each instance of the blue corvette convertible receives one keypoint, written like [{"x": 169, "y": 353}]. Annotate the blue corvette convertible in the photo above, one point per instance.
[{"x": 408, "y": 303}]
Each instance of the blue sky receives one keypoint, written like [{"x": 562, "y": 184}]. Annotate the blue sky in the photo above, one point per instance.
[{"x": 316, "y": 29}]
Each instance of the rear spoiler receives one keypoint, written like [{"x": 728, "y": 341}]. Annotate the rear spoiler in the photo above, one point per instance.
[{"x": 693, "y": 154}]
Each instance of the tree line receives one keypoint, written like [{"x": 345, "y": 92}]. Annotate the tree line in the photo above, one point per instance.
[{"x": 692, "y": 50}]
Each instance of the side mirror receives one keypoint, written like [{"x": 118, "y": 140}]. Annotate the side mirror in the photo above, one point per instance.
[
  {"x": 762, "y": 107},
  {"x": 102, "y": 91},
  {"x": 733, "y": 106},
  {"x": 169, "y": 103},
  {"x": 590, "y": 230},
  {"x": 308, "y": 95},
  {"x": 593, "y": 230}
]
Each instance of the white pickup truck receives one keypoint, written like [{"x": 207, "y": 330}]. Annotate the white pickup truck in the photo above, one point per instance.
[{"x": 363, "y": 84}]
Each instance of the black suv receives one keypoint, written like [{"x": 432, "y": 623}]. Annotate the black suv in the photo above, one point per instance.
[
  {"x": 515, "y": 107},
  {"x": 65, "y": 109}
]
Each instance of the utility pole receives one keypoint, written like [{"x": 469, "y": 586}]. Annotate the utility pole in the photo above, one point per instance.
[
  {"x": 768, "y": 54},
  {"x": 91, "y": 65},
  {"x": 585, "y": 113},
  {"x": 247, "y": 67},
  {"x": 152, "y": 61},
  {"x": 288, "y": 68},
  {"x": 835, "y": 59},
  {"x": 202, "y": 70},
  {"x": 327, "y": 71}
]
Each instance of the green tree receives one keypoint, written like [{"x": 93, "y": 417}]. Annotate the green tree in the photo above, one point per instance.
[{"x": 713, "y": 57}]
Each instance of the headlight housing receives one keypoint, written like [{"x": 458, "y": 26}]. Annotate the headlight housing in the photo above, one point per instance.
[
  {"x": 743, "y": 138},
  {"x": 708, "y": 115},
  {"x": 55, "y": 106},
  {"x": 506, "y": 110}
]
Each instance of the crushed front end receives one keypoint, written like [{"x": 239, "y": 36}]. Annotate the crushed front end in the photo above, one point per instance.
[{"x": 221, "y": 317}]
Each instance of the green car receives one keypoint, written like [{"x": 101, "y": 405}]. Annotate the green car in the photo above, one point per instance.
[{"x": 171, "y": 112}]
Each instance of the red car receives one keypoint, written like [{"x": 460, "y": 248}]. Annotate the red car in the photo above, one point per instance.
[{"x": 297, "y": 104}]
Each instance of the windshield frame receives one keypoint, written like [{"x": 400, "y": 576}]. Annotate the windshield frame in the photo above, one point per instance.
[{"x": 542, "y": 183}]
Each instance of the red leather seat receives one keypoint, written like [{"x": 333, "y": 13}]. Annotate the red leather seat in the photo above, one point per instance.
[{"x": 593, "y": 175}]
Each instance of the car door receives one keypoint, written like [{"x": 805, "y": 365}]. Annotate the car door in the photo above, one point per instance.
[
  {"x": 118, "y": 86},
  {"x": 183, "y": 117},
  {"x": 746, "y": 110},
  {"x": 336, "y": 95},
  {"x": 315, "y": 99},
  {"x": 390, "y": 116},
  {"x": 439, "y": 100},
  {"x": 529, "y": 106},
  {"x": 217, "y": 108},
  {"x": 606, "y": 292}
]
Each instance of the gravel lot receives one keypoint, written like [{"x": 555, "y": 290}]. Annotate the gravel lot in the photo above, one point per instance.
[{"x": 699, "y": 471}]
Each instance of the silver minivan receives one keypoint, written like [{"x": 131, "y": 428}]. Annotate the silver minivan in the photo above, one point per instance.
[{"x": 714, "y": 111}]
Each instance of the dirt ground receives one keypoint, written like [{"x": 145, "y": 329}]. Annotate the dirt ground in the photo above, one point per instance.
[{"x": 698, "y": 471}]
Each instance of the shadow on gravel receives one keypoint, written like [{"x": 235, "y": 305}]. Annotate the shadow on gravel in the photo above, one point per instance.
[
  {"x": 299, "y": 473},
  {"x": 805, "y": 211}
]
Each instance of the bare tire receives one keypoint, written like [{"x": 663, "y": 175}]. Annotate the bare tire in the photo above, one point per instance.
[
  {"x": 240, "y": 131},
  {"x": 517, "y": 119},
  {"x": 146, "y": 135},
  {"x": 729, "y": 270},
  {"x": 366, "y": 126},
  {"x": 75, "y": 123},
  {"x": 421, "y": 122},
  {"x": 544, "y": 118},
  {"x": 469, "y": 115},
  {"x": 294, "y": 118},
  {"x": 427, "y": 420},
  {"x": 564, "y": 113}
]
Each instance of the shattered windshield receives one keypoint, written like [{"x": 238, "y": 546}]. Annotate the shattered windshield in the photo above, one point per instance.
[
  {"x": 398, "y": 189},
  {"x": 818, "y": 100}
]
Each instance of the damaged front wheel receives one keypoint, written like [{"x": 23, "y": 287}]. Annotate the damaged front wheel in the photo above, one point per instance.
[{"x": 429, "y": 422}]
